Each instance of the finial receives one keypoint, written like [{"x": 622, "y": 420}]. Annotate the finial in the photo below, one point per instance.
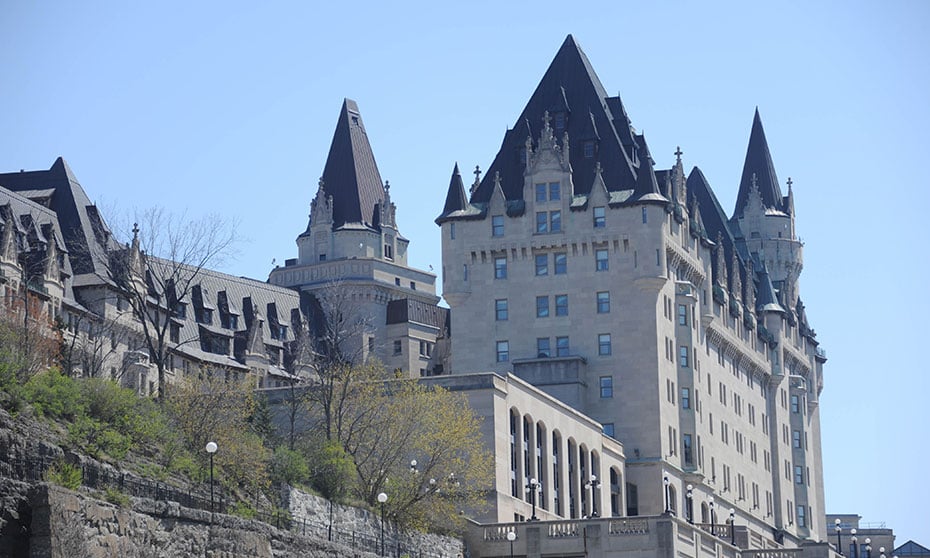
[
  {"x": 497, "y": 178},
  {"x": 477, "y": 174},
  {"x": 790, "y": 182},
  {"x": 320, "y": 183},
  {"x": 678, "y": 153},
  {"x": 546, "y": 119},
  {"x": 755, "y": 184},
  {"x": 135, "y": 231},
  {"x": 597, "y": 168},
  {"x": 387, "y": 186}
]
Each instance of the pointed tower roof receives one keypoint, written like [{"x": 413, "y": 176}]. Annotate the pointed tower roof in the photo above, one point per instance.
[
  {"x": 456, "y": 202},
  {"x": 766, "y": 299},
  {"x": 569, "y": 85},
  {"x": 351, "y": 175},
  {"x": 759, "y": 163},
  {"x": 647, "y": 188}
]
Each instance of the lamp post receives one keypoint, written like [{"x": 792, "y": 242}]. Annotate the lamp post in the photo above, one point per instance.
[
  {"x": 211, "y": 449},
  {"x": 732, "y": 525},
  {"x": 511, "y": 536},
  {"x": 868, "y": 547},
  {"x": 593, "y": 484},
  {"x": 839, "y": 542},
  {"x": 690, "y": 496},
  {"x": 382, "y": 498},
  {"x": 532, "y": 487},
  {"x": 665, "y": 481},
  {"x": 413, "y": 466},
  {"x": 855, "y": 545},
  {"x": 881, "y": 551},
  {"x": 713, "y": 516}
]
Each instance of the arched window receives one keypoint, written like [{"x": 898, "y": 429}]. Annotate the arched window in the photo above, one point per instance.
[
  {"x": 705, "y": 516},
  {"x": 556, "y": 474},
  {"x": 541, "y": 472},
  {"x": 513, "y": 453},
  {"x": 673, "y": 499},
  {"x": 572, "y": 479},
  {"x": 615, "y": 495}
]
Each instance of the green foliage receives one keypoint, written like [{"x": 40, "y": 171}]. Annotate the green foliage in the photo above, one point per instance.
[
  {"x": 333, "y": 470},
  {"x": 54, "y": 395},
  {"x": 97, "y": 439},
  {"x": 288, "y": 466},
  {"x": 116, "y": 497},
  {"x": 262, "y": 422},
  {"x": 242, "y": 509},
  {"x": 64, "y": 474}
]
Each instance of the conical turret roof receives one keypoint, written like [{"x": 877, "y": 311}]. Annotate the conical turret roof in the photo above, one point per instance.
[{"x": 758, "y": 163}]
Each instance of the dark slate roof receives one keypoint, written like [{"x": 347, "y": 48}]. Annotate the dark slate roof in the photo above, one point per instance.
[
  {"x": 569, "y": 86},
  {"x": 712, "y": 214},
  {"x": 81, "y": 225},
  {"x": 759, "y": 163},
  {"x": 647, "y": 188},
  {"x": 411, "y": 310},
  {"x": 766, "y": 299},
  {"x": 456, "y": 203},
  {"x": 351, "y": 175}
]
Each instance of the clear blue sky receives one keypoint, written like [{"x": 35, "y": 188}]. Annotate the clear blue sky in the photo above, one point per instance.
[{"x": 230, "y": 107}]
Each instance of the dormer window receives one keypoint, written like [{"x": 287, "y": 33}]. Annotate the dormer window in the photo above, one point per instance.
[
  {"x": 207, "y": 316},
  {"x": 559, "y": 121},
  {"x": 589, "y": 150},
  {"x": 180, "y": 310}
]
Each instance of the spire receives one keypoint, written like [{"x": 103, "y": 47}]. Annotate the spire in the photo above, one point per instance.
[
  {"x": 767, "y": 301},
  {"x": 758, "y": 163},
  {"x": 351, "y": 175},
  {"x": 455, "y": 197},
  {"x": 647, "y": 189}
]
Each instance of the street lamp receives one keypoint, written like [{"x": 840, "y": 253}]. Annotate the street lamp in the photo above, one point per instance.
[
  {"x": 855, "y": 546},
  {"x": 732, "y": 525},
  {"x": 211, "y": 449},
  {"x": 382, "y": 498},
  {"x": 532, "y": 487},
  {"x": 868, "y": 547},
  {"x": 665, "y": 481},
  {"x": 713, "y": 516},
  {"x": 839, "y": 542},
  {"x": 593, "y": 484},
  {"x": 413, "y": 466},
  {"x": 511, "y": 536},
  {"x": 690, "y": 496},
  {"x": 881, "y": 550}
]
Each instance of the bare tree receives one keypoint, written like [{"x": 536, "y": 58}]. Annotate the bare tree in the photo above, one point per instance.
[{"x": 159, "y": 268}]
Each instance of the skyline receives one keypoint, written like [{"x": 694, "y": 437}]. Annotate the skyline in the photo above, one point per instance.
[{"x": 194, "y": 107}]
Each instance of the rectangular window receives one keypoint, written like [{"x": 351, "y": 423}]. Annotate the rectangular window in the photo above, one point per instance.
[
  {"x": 802, "y": 519},
  {"x": 686, "y": 448},
  {"x": 607, "y": 387},
  {"x": 561, "y": 346},
  {"x": 555, "y": 221},
  {"x": 540, "y": 193},
  {"x": 682, "y": 314},
  {"x": 795, "y": 404},
  {"x": 603, "y": 302},
  {"x": 398, "y": 347},
  {"x": 600, "y": 259},
  {"x": 683, "y": 356},
  {"x": 600, "y": 217},
  {"x": 497, "y": 225},
  {"x": 503, "y": 351},
  {"x": 451, "y": 235},
  {"x": 542, "y": 264},
  {"x": 542, "y": 347},
  {"x": 796, "y": 438},
  {"x": 685, "y": 398},
  {"x": 589, "y": 150},
  {"x": 645, "y": 216},
  {"x": 608, "y": 429},
  {"x": 603, "y": 344},
  {"x": 542, "y": 306},
  {"x": 500, "y": 268},
  {"x": 500, "y": 309},
  {"x": 554, "y": 193},
  {"x": 542, "y": 222},
  {"x": 371, "y": 344},
  {"x": 798, "y": 474},
  {"x": 561, "y": 263},
  {"x": 561, "y": 305}
]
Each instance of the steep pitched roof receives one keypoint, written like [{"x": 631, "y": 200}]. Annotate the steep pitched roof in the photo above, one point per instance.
[
  {"x": 351, "y": 175},
  {"x": 647, "y": 188},
  {"x": 81, "y": 224},
  {"x": 758, "y": 163},
  {"x": 570, "y": 87}
]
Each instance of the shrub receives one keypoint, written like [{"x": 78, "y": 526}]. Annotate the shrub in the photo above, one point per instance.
[
  {"x": 288, "y": 466},
  {"x": 242, "y": 509},
  {"x": 333, "y": 470},
  {"x": 116, "y": 497},
  {"x": 64, "y": 474},
  {"x": 54, "y": 395}
]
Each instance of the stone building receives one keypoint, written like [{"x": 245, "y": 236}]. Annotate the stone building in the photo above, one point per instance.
[{"x": 625, "y": 291}]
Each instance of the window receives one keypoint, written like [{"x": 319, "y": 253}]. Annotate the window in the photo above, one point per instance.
[
  {"x": 600, "y": 217},
  {"x": 561, "y": 305},
  {"x": 389, "y": 251},
  {"x": 603, "y": 344},
  {"x": 451, "y": 232},
  {"x": 802, "y": 519},
  {"x": 645, "y": 216},
  {"x": 540, "y": 193},
  {"x": 589, "y": 150},
  {"x": 559, "y": 121},
  {"x": 686, "y": 448},
  {"x": 561, "y": 263},
  {"x": 608, "y": 429},
  {"x": 796, "y": 438},
  {"x": 554, "y": 193},
  {"x": 561, "y": 346},
  {"x": 603, "y": 302},
  {"x": 398, "y": 348},
  {"x": 542, "y": 222},
  {"x": 500, "y": 268},
  {"x": 607, "y": 387},
  {"x": 798, "y": 474},
  {"x": 323, "y": 256},
  {"x": 682, "y": 314},
  {"x": 503, "y": 351},
  {"x": 497, "y": 225},
  {"x": 413, "y": 285},
  {"x": 542, "y": 306},
  {"x": 175, "y": 333},
  {"x": 542, "y": 347},
  {"x": 426, "y": 348},
  {"x": 600, "y": 259},
  {"x": 500, "y": 309},
  {"x": 371, "y": 344},
  {"x": 555, "y": 221},
  {"x": 683, "y": 356},
  {"x": 397, "y": 281},
  {"x": 542, "y": 264},
  {"x": 685, "y": 398},
  {"x": 795, "y": 404}
]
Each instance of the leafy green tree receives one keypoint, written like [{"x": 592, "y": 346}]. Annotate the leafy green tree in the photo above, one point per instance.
[{"x": 288, "y": 466}]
